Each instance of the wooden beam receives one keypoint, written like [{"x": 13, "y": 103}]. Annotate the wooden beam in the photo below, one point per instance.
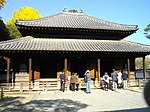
[
  {"x": 128, "y": 64},
  {"x": 30, "y": 70},
  {"x": 99, "y": 71},
  {"x": 65, "y": 67},
  {"x": 8, "y": 70},
  {"x": 144, "y": 69}
]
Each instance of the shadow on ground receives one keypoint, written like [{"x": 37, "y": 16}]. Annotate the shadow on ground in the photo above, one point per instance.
[
  {"x": 14, "y": 104},
  {"x": 58, "y": 105},
  {"x": 11, "y": 104}
]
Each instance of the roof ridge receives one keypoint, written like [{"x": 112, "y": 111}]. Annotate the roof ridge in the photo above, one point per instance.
[{"x": 73, "y": 13}]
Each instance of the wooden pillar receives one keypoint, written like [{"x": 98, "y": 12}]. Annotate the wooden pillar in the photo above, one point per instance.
[
  {"x": 99, "y": 71},
  {"x": 144, "y": 68},
  {"x": 30, "y": 70},
  {"x": 8, "y": 70},
  {"x": 128, "y": 62},
  {"x": 65, "y": 67}
]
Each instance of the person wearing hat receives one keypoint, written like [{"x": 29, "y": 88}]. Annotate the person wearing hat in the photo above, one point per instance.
[{"x": 87, "y": 78}]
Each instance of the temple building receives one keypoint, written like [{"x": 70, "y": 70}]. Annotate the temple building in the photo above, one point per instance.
[{"x": 73, "y": 42}]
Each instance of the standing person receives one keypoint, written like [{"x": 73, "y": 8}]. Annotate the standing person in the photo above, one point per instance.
[
  {"x": 125, "y": 78},
  {"x": 62, "y": 81},
  {"x": 78, "y": 82},
  {"x": 87, "y": 76},
  {"x": 106, "y": 81},
  {"x": 114, "y": 79},
  {"x": 119, "y": 77},
  {"x": 73, "y": 81}
]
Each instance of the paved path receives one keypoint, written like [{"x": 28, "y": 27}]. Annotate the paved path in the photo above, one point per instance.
[{"x": 97, "y": 101}]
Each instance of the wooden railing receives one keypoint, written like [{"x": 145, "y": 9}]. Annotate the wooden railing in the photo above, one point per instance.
[
  {"x": 46, "y": 84},
  {"x": 54, "y": 84},
  {"x": 136, "y": 83}
]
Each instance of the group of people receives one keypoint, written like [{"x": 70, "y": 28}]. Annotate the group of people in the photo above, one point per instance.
[
  {"x": 118, "y": 79},
  {"x": 74, "y": 81}
]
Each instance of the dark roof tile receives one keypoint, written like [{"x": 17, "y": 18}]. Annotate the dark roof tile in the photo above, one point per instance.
[
  {"x": 30, "y": 43},
  {"x": 75, "y": 20}
]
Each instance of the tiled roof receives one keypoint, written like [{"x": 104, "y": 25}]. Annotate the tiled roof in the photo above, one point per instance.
[
  {"x": 45, "y": 44},
  {"x": 75, "y": 20}
]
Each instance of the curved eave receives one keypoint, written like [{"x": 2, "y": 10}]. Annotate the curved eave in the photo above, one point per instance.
[
  {"x": 77, "y": 21},
  {"x": 72, "y": 29},
  {"x": 73, "y": 45},
  {"x": 79, "y": 32}
]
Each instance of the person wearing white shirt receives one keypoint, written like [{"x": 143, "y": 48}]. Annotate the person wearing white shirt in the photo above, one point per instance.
[
  {"x": 106, "y": 81},
  {"x": 119, "y": 77}
]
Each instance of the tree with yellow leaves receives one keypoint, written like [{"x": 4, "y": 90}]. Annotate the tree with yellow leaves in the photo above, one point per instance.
[
  {"x": 2, "y": 3},
  {"x": 24, "y": 13}
]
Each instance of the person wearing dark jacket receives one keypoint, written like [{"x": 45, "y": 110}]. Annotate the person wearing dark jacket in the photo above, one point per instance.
[
  {"x": 114, "y": 79},
  {"x": 125, "y": 78},
  {"x": 62, "y": 81}
]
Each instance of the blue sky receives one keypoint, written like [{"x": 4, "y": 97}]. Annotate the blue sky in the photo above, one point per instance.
[{"x": 132, "y": 12}]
